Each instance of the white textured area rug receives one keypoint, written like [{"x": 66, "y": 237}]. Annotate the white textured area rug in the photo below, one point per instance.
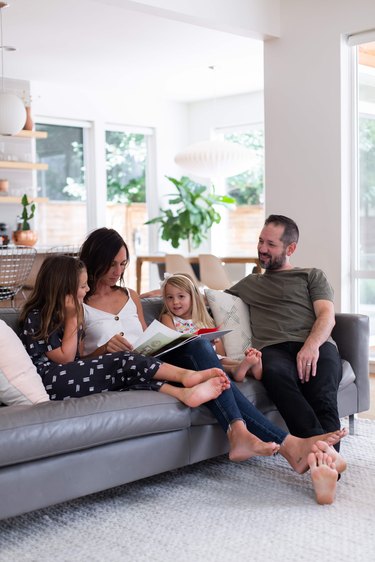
[{"x": 215, "y": 511}]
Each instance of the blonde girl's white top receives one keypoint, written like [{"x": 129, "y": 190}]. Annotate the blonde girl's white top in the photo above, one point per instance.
[{"x": 101, "y": 326}]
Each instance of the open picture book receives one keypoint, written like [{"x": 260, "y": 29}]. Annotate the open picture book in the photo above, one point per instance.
[{"x": 158, "y": 339}]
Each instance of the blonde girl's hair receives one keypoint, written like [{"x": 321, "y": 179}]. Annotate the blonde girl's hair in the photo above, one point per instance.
[
  {"x": 184, "y": 282},
  {"x": 58, "y": 277}
]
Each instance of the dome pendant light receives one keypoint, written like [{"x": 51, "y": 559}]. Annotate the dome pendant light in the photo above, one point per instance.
[
  {"x": 12, "y": 109},
  {"x": 215, "y": 159}
]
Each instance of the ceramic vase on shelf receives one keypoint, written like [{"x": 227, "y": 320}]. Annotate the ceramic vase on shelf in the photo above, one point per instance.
[
  {"x": 29, "y": 124},
  {"x": 4, "y": 186}
]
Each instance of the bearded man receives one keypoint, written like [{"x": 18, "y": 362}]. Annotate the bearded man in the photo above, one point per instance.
[{"x": 292, "y": 317}]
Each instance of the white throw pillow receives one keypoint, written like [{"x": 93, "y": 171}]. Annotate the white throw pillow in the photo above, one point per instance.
[
  {"x": 19, "y": 379},
  {"x": 232, "y": 313}
]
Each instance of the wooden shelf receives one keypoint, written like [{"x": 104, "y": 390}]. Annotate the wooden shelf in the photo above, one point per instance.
[
  {"x": 11, "y": 199},
  {"x": 12, "y": 165},
  {"x": 30, "y": 135}
]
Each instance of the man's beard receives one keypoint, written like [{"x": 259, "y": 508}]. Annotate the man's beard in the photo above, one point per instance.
[{"x": 272, "y": 263}]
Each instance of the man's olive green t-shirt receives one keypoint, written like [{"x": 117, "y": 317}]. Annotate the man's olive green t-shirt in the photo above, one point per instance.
[{"x": 281, "y": 303}]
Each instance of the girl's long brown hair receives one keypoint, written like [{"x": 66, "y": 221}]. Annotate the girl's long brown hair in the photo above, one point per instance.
[
  {"x": 184, "y": 281},
  {"x": 58, "y": 277}
]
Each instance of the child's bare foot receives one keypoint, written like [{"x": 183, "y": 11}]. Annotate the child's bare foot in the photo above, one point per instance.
[
  {"x": 192, "y": 378},
  {"x": 253, "y": 361},
  {"x": 339, "y": 461},
  {"x": 244, "y": 445},
  {"x": 323, "y": 476},
  {"x": 296, "y": 450},
  {"x": 203, "y": 392}
]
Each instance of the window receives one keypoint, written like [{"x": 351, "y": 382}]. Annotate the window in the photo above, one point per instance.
[
  {"x": 243, "y": 223},
  {"x": 62, "y": 219},
  {"x": 363, "y": 267},
  {"x": 127, "y": 163}
]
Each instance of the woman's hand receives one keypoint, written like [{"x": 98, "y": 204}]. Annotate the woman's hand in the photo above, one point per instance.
[{"x": 118, "y": 343}]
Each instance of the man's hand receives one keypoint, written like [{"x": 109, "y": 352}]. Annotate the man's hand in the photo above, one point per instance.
[{"x": 307, "y": 359}]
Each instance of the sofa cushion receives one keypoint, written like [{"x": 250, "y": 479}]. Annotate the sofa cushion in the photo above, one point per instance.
[
  {"x": 32, "y": 432},
  {"x": 231, "y": 312},
  {"x": 19, "y": 380},
  {"x": 151, "y": 308}
]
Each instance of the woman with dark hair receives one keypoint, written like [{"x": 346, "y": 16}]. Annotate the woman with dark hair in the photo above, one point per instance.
[{"x": 113, "y": 321}]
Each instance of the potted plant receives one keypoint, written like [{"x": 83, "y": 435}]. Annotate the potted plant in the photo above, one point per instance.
[
  {"x": 24, "y": 235},
  {"x": 190, "y": 214}
]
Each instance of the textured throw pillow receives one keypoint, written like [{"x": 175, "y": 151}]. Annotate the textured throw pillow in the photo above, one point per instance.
[
  {"x": 19, "y": 380},
  {"x": 232, "y": 313}
]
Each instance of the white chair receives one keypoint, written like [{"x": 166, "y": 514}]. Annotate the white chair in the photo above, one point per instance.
[
  {"x": 177, "y": 263},
  {"x": 212, "y": 272},
  {"x": 15, "y": 267},
  {"x": 68, "y": 250}
]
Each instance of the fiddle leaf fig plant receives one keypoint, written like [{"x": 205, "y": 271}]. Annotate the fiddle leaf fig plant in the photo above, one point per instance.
[
  {"x": 26, "y": 215},
  {"x": 190, "y": 214}
]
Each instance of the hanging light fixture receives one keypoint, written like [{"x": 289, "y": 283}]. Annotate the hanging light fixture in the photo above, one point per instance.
[
  {"x": 215, "y": 158},
  {"x": 12, "y": 109}
]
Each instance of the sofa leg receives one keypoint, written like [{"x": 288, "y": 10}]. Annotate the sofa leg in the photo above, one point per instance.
[{"x": 351, "y": 424}]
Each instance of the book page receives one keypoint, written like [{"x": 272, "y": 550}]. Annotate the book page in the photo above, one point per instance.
[{"x": 156, "y": 336}]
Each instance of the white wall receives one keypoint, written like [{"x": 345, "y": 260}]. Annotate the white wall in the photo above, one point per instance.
[
  {"x": 305, "y": 96},
  {"x": 229, "y": 111}
]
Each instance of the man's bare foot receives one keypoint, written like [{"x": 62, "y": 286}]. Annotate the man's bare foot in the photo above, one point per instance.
[
  {"x": 203, "y": 392},
  {"x": 253, "y": 361},
  {"x": 192, "y": 378},
  {"x": 296, "y": 450},
  {"x": 323, "y": 476},
  {"x": 339, "y": 461},
  {"x": 244, "y": 445}
]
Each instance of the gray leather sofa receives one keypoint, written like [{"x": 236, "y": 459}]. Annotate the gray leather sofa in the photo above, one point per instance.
[{"x": 57, "y": 451}]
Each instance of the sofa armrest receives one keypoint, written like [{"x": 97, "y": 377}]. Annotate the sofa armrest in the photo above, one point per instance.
[{"x": 352, "y": 333}]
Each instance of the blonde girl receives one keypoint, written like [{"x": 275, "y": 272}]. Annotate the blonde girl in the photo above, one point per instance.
[{"x": 184, "y": 310}]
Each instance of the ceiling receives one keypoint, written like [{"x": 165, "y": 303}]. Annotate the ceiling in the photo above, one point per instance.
[{"x": 89, "y": 43}]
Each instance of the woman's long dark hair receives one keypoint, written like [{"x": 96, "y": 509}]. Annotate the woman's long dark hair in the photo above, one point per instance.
[
  {"x": 98, "y": 252},
  {"x": 58, "y": 277}
]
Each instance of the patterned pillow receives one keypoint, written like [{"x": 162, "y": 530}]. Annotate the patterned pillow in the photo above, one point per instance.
[
  {"x": 19, "y": 380},
  {"x": 231, "y": 312}
]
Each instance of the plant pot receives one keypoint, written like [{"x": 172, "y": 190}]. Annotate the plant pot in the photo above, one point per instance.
[{"x": 25, "y": 237}]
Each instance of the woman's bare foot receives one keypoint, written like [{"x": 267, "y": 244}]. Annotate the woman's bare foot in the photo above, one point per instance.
[
  {"x": 201, "y": 393},
  {"x": 192, "y": 378},
  {"x": 323, "y": 476},
  {"x": 244, "y": 445},
  {"x": 339, "y": 461},
  {"x": 296, "y": 450},
  {"x": 253, "y": 361}
]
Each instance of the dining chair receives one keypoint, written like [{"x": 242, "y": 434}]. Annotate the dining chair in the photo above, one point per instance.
[
  {"x": 65, "y": 250},
  {"x": 15, "y": 267},
  {"x": 213, "y": 273},
  {"x": 177, "y": 263}
]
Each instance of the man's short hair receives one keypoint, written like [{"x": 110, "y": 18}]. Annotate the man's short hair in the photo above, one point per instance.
[{"x": 291, "y": 232}]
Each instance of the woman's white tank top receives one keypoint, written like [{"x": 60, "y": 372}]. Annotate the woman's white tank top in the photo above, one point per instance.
[{"x": 101, "y": 326}]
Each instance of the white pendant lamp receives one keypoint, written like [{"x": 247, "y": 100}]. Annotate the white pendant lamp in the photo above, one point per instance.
[
  {"x": 215, "y": 159},
  {"x": 12, "y": 109}
]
